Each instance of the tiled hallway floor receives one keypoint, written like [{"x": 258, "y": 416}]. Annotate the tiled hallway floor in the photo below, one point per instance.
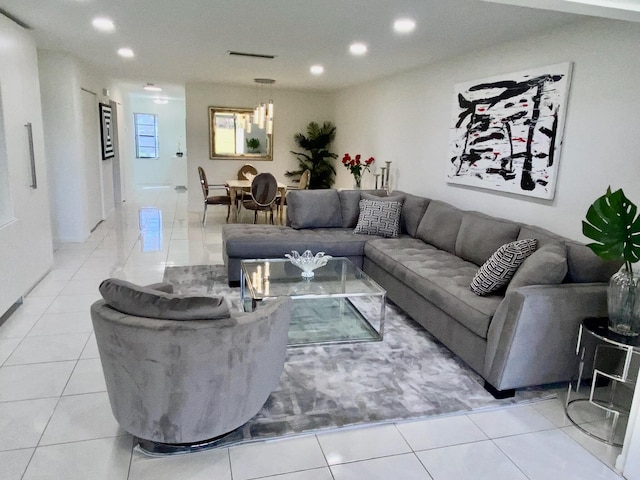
[{"x": 56, "y": 423}]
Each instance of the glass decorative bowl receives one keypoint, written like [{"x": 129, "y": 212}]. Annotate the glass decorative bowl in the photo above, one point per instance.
[{"x": 307, "y": 262}]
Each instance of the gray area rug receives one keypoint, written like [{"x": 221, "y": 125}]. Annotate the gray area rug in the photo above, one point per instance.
[{"x": 409, "y": 375}]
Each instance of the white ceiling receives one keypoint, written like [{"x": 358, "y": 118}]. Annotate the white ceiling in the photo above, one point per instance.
[{"x": 187, "y": 41}]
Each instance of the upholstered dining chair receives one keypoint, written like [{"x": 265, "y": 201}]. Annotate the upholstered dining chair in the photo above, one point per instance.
[
  {"x": 247, "y": 168},
  {"x": 263, "y": 194},
  {"x": 182, "y": 371},
  {"x": 213, "y": 199}
]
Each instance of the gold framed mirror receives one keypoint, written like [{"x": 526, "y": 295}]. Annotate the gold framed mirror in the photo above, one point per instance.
[{"x": 233, "y": 135}]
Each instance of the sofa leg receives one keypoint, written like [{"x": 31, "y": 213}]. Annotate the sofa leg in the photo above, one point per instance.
[{"x": 499, "y": 394}]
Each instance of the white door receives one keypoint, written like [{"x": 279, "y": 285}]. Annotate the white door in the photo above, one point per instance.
[{"x": 26, "y": 251}]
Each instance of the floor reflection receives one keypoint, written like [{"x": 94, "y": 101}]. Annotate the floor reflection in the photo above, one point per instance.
[{"x": 150, "y": 229}]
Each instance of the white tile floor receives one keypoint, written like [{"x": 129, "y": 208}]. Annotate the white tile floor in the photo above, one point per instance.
[{"x": 56, "y": 423}]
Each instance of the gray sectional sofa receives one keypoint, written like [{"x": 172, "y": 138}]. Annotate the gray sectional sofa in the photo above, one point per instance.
[{"x": 522, "y": 335}]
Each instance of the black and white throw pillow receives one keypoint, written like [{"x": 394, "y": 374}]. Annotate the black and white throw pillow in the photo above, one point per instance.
[
  {"x": 379, "y": 217},
  {"x": 498, "y": 270}
]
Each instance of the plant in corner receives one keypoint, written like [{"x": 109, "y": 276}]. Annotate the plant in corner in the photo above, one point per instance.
[
  {"x": 317, "y": 158},
  {"x": 614, "y": 224}
]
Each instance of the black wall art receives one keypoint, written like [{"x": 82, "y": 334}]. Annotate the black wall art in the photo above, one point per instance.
[
  {"x": 507, "y": 131},
  {"x": 106, "y": 131}
]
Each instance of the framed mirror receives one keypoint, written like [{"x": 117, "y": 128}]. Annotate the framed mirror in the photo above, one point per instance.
[{"x": 234, "y": 135}]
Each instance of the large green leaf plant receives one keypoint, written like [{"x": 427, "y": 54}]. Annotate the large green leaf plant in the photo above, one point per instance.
[
  {"x": 614, "y": 224},
  {"x": 317, "y": 158}
]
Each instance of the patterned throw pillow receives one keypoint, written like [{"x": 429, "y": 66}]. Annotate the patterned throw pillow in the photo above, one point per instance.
[
  {"x": 379, "y": 217},
  {"x": 498, "y": 270}
]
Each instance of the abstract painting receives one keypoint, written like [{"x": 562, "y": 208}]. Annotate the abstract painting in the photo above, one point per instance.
[
  {"x": 106, "y": 132},
  {"x": 507, "y": 131}
]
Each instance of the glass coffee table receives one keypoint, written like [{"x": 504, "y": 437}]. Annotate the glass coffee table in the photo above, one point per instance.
[{"x": 339, "y": 304}]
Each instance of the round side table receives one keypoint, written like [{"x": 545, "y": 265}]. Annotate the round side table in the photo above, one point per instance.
[{"x": 614, "y": 362}]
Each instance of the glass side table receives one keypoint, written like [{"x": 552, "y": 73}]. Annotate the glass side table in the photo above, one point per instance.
[{"x": 614, "y": 361}]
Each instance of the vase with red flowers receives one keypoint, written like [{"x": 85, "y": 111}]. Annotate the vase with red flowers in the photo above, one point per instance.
[{"x": 357, "y": 167}]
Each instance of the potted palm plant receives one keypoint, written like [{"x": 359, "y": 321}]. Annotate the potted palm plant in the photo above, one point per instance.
[
  {"x": 614, "y": 224},
  {"x": 317, "y": 158}
]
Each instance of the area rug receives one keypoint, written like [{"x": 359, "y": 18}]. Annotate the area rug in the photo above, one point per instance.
[{"x": 408, "y": 375}]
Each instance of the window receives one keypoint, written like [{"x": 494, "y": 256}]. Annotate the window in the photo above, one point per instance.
[{"x": 146, "y": 135}]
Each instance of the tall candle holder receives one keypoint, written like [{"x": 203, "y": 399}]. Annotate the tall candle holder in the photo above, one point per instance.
[
  {"x": 382, "y": 176},
  {"x": 386, "y": 183}
]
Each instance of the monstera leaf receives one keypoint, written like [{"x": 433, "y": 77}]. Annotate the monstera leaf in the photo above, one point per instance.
[{"x": 612, "y": 222}]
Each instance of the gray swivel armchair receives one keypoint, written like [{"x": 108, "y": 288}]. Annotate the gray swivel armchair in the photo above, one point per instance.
[{"x": 180, "y": 384}]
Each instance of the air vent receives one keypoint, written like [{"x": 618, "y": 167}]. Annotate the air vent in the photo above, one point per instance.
[
  {"x": 15, "y": 19},
  {"x": 252, "y": 55}
]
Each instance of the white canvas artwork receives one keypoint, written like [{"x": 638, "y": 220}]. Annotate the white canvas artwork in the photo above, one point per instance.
[{"x": 506, "y": 131}]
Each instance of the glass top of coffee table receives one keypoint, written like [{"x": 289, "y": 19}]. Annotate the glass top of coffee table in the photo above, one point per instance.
[
  {"x": 279, "y": 277},
  {"x": 339, "y": 304}
]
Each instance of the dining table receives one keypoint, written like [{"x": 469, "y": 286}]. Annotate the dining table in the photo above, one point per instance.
[{"x": 236, "y": 187}]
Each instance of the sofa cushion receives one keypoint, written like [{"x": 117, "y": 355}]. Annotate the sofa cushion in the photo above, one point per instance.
[
  {"x": 583, "y": 266},
  {"x": 350, "y": 207},
  {"x": 379, "y": 217},
  {"x": 498, "y": 270},
  {"x": 350, "y": 204},
  {"x": 413, "y": 209},
  {"x": 438, "y": 276},
  {"x": 546, "y": 266},
  {"x": 314, "y": 209},
  {"x": 132, "y": 299},
  {"x": 480, "y": 235},
  {"x": 440, "y": 225},
  {"x": 273, "y": 241}
]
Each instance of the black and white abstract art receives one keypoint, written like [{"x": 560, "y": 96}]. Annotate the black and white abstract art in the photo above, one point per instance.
[
  {"x": 106, "y": 131},
  {"x": 507, "y": 131}
]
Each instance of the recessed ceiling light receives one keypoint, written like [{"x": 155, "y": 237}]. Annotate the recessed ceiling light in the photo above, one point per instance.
[
  {"x": 404, "y": 25},
  {"x": 103, "y": 24},
  {"x": 152, "y": 88},
  {"x": 126, "y": 52},
  {"x": 317, "y": 69},
  {"x": 160, "y": 101},
  {"x": 358, "y": 48}
]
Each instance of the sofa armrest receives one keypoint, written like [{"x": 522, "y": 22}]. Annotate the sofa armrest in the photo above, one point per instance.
[{"x": 532, "y": 336}]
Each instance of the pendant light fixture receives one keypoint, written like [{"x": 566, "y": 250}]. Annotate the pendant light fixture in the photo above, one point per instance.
[{"x": 263, "y": 112}]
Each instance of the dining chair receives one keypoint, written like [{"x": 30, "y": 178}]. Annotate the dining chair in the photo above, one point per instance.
[
  {"x": 303, "y": 184},
  {"x": 263, "y": 193},
  {"x": 213, "y": 199},
  {"x": 246, "y": 168}
]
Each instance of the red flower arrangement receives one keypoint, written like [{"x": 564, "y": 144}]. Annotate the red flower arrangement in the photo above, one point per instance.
[{"x": 356, "y": 166}]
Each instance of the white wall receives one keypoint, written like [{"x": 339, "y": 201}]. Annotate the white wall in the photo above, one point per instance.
[
  {"x": 81, "y": 182},
  {"x": 171, "y": 129},
  {"x": 406, "y": 119},
  {"x": 293, "y": 111},
  {"x": 26, "y": 252}
]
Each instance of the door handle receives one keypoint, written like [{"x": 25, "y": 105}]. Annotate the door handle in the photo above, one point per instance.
[{"x": 32, "y": 156}]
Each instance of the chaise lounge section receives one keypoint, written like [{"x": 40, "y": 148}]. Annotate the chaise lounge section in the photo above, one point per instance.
[{"x": 521, "y": 335}]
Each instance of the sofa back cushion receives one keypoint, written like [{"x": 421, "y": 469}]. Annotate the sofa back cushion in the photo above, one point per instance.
[
  {"x": 350, "y": 204},
  {"x": 349, "y": 200},
  {"x": 132, "y": 299},
  {"x": 413, "y": 209},
  {"x": 583, "y": 266},
  {"x": 481, "y": 235},
  {"x": 440, "y": 225},
  {"x": 546, "y": 266},
  {"x": 314, "y": 209}
]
